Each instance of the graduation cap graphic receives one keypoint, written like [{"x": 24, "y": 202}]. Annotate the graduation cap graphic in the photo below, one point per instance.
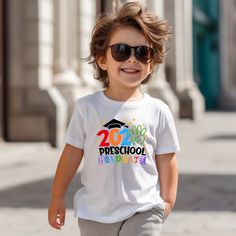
[{"x": 114, "y": 124}]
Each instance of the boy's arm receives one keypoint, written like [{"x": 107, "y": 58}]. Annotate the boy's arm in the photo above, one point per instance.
[
  {"x": 66, "y": 169},
  {"x": 168, "y": 178}
]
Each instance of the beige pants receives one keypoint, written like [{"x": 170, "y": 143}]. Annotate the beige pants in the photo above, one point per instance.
[{"x": 148, "y": 223}]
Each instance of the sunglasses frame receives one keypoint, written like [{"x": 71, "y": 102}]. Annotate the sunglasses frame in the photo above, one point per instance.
[{"x": 151, "y": 50}]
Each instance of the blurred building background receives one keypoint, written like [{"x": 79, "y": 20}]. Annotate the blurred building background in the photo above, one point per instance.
[{"x": 42, "y": 74}]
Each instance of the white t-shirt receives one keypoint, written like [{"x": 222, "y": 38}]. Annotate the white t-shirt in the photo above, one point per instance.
[{"x": 120, "y": 140}]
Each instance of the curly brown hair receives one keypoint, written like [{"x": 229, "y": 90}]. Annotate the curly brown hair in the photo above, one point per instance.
[{"x": 155, "y": 30}]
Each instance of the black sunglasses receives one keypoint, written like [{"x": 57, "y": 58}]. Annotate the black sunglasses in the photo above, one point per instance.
[{"x": 122, "y": 52}]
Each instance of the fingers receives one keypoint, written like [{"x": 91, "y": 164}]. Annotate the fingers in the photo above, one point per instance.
[
  {"x": 52, "y": 219},
  {"x": 56, "y": 219},
  {"x": 62, "y": 217},
  {"x": 57, "y": 224}
]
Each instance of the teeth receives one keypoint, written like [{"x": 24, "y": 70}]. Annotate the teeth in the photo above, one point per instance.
[{"x": 130, "y": 70}]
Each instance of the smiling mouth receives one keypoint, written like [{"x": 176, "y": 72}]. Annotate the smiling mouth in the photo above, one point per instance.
[{"x": 130, "y": 70}]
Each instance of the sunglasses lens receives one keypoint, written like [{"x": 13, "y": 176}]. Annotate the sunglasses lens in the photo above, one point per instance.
[
  {"x": 144, "y": 54},
  {"x": 120, "y": 52}
]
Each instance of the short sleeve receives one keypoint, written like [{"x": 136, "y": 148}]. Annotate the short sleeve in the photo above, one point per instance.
[
  {"x": 75, "y": 134},
  {"x": 167, "y": 140}
]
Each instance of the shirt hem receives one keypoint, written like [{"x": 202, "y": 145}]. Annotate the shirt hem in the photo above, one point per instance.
[
  {"x": 74, "y": 143},
  {"x": 97, "y": 219},
  {"x": 165, "y": 150}
]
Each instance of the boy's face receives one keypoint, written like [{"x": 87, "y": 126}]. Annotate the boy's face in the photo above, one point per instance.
[{"x": 131, "y": 72}]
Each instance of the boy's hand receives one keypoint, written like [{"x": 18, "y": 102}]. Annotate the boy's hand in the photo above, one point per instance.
[
  {"x": 168, "y": 209},
  {"x": 56, "y": 213}
]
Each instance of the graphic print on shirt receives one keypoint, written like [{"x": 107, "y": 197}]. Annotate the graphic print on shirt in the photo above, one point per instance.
[{"x": 120, "y": 143}]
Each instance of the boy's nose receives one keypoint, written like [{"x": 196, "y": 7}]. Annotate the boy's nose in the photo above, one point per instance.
[{"x": 132, "y": 57}]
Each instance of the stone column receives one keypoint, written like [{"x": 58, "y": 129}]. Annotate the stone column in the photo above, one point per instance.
[
  {"x": 228, "y": 53},
  {"x": 66, "y": 59},
  {"x": 86, "y": 18},
  {"x": 1, "y": 71},
  {"x": 37, "y": 110},
  {"x": 159, "y": 87},
  {"x": 179, "y": 60}
]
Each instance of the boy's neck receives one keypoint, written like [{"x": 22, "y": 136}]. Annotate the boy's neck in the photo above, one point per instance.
[{"x": 125, "y": 95}]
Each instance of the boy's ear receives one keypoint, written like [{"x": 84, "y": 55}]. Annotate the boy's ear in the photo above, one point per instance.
[{"x": 102, "y": 62}]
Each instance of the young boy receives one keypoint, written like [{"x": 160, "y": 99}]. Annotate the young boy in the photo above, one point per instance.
[{"x": 127, "y": 139}]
